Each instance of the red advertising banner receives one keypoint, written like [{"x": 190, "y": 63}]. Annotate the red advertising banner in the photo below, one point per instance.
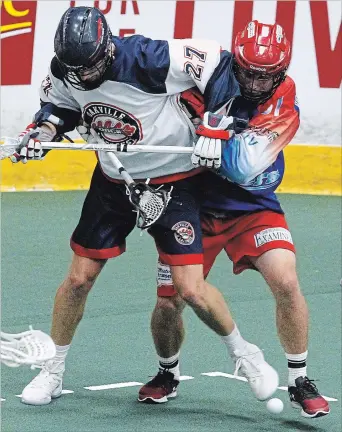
[{"x": 18, "y": 20}]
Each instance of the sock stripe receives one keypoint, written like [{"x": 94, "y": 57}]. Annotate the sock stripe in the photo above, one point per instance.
[
  {"x": 168, "y": 365},
  {"x": 296, "y": 365}
]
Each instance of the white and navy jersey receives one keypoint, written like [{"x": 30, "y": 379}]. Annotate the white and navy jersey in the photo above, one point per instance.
[{"x": 139, "y": 101}]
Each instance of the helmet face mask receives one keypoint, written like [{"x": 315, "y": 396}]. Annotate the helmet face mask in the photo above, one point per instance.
[
  {"x": 88, "y": 77},
  {"x": 256, "y": 86},
  {"x": 84, "y": 47},
  {"x": 262, "y": 56}
]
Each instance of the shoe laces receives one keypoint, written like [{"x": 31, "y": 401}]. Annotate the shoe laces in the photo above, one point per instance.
[
  {"x": 163, "y": 378},
  {"x": 248, "y": 365},
  {"x": 307, "y": 388},
  {"x": 43, "y": 377}
]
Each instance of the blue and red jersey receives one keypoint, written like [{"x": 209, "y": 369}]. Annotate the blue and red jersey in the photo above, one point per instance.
[{"x": 253, "y": 161}]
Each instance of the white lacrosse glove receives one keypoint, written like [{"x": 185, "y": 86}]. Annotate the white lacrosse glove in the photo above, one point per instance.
[
  {"x": 214, "y": 130},
  {"x": 29, "y": 142}
]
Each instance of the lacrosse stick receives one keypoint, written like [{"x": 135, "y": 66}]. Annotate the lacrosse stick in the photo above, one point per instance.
[
  {"x": 10, "y": 147},
  {"x": 150, "y": 203},
  {"x": 32, "y": 347}
]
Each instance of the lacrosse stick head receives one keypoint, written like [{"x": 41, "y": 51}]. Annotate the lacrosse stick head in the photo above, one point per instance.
[
  {"x": 32, "y": 347},
  {"x": 8, "y": 148},
  {"x": 150, "y": 203}
]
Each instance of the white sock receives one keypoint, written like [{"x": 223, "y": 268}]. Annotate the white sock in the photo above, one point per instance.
[
  {"x": 56, "y": 365},
  {"x": 61, "y": 352},
  {"x": 171, "y": 364},
  {"x": 297, "y": 366},
  {"x": 234, "y": 341}
]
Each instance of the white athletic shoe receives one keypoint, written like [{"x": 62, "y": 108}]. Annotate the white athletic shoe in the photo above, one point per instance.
[
  {"x": 45, "y": 386},
  {"x": 262, "y": 378}
]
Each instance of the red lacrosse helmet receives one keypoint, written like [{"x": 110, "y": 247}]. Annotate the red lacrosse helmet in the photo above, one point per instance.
[{"x": 262, "y": 55}]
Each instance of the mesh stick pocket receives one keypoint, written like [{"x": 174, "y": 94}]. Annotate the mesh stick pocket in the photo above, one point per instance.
[
  {"x": 150, "y": 203},
  {"x": 32, "y": 347}
]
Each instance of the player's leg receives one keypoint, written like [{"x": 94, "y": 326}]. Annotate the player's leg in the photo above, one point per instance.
[
  {"x": 209, "y": 305},
  {"x": 168, "y": 334},
  {"x": 168, "y": 330},
  {"x": 179, "y": 241},
  {"x": 206, "y": 301},
  {"x": 263, "y": 242},
  {"x": 166, "y": 321},
  {"x": 167, "y": 326},
  {"x": 179, "y": 245},
  {"x": 71, "y": 298},
  {"x": 68, "y": 310},
  {"x": 278, "y": 268},
  {"x": 106, "y": 220},
  {"x": 248, "y": 358}
]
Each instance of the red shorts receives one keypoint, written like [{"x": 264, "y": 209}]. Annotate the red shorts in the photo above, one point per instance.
[{"x": 246, "y": 236}]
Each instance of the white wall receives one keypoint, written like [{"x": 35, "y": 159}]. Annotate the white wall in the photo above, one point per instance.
[{"x": 320, "y": 107}]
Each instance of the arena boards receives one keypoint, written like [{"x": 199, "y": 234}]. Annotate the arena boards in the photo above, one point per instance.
[{"x": 310, "y": 169}]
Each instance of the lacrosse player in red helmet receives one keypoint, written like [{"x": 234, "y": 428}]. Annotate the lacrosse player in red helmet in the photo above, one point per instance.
[{"x": 242, "y": 214}]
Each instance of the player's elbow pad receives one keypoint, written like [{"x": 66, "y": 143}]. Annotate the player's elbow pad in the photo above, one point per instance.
[{"x": 69, "y": 118}]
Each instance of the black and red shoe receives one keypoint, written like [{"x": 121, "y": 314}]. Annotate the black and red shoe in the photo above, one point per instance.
[
  {"x": 162, "y": 387},
  {"x": 304, "y": 395}
]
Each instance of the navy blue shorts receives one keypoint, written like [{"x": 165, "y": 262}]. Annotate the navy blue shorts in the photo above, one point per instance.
[{"x": 107, "y": 218}]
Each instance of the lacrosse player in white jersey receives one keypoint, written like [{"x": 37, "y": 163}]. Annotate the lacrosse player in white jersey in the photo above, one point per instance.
[{"x": 128, "y": 91}]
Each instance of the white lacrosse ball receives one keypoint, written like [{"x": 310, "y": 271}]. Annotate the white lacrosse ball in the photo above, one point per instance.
[{"x": 275, "y": 406}]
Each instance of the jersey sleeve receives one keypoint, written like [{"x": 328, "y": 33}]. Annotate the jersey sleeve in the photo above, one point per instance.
[
  {"x": 248, "y": 154},
  {"x": 201, "y": 63},
  {"x": 56, "y": 99}
]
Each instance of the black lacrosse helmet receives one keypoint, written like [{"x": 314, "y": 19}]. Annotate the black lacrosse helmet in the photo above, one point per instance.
[{"x": 83, "y": 47}]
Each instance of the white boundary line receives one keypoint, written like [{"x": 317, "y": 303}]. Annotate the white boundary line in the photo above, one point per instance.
[
  {"x": 113, "y": 386},
  {"x": 128, "y": 384}
]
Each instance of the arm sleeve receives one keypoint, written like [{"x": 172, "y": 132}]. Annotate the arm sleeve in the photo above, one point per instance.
[
  {"x": 248, "y": 154},
  {"x": 56, "y": 99},
  {"x": 202, "y": 63}
]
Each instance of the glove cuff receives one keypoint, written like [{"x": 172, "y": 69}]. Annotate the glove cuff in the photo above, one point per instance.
[
  {"x": 31, "y": 126},
  {"x": 214, "y": 133}
]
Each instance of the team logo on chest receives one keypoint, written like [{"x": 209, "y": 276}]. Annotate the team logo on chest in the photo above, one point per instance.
[{"x": 114, "y": 125}]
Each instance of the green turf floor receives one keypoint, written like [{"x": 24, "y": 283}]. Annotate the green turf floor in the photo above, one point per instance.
[{"x": 113, "y": 343}]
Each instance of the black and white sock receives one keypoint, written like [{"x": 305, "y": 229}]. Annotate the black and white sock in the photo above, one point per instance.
[
  {"x": 171, "y": 364},
  {"x": 297, "y": 366}
]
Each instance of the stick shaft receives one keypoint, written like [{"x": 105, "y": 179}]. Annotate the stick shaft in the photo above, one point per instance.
[
  {"x": 124, "y": 148},
  {"x": 113, "y": 148},
  {"x": 115, "y": 161}
]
